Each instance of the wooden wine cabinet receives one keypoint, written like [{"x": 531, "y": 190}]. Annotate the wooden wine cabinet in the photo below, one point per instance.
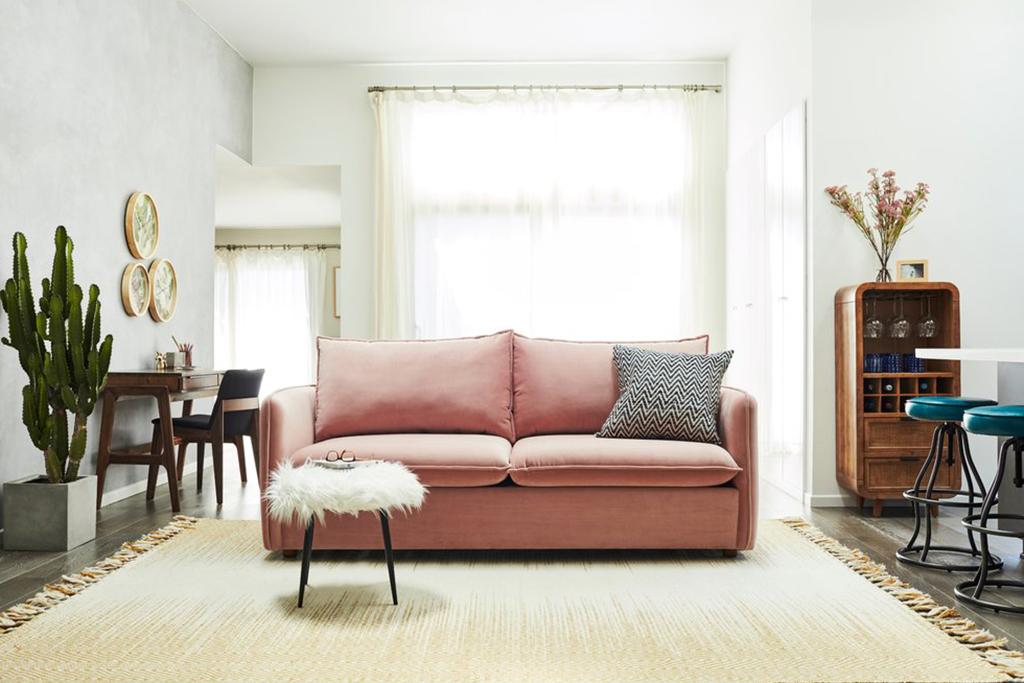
[{"x": 879, "y": 450}]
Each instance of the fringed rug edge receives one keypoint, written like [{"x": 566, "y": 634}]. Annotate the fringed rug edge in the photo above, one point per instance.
[
  {"x": 72, "y": 584},
  {"x": 983, "y": 643}
]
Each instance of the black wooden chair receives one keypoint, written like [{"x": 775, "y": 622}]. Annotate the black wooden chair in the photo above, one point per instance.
[{"x": 235, "y": 415}]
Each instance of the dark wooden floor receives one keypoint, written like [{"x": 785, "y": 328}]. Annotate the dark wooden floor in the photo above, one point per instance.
[{"x": 23, "y": 573}]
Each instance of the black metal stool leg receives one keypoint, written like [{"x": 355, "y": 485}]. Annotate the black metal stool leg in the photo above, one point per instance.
[
  {"x": 947, "y": 437},
  {"x": 930, "y": 494},
  {"x": 971, "y": 591},
  {"x": 970, "y": 473},
  {"x": 388, "y": 553},
  {"x": 917, "y": 488},
  {"x": 307, "y": 553}
]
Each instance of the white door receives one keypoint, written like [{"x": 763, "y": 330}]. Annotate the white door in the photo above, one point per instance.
[{"x": 766, "y": 293}]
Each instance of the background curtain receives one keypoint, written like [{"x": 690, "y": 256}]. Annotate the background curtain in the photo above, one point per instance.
[
  {"x": 268, "y": 305},
  {"x": 572, "y": 213}
]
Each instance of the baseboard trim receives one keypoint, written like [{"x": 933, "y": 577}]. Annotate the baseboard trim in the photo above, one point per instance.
[
  {"x": 830, "y": 500},
  {"x": 137, "y": 487}
]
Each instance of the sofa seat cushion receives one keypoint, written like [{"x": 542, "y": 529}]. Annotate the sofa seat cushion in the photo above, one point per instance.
[
  {"x": 438, "y": 459},
  {"x": 586, "y": 460}
]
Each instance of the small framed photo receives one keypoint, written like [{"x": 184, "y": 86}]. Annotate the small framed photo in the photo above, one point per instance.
[
  {"x": 912, "y": 271},
  {"x": 337, "y": 292}
]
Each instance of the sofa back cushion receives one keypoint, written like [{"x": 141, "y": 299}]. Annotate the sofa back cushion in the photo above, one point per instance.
[
  {"x": 452, "y": 386},
  {"x": 565, "y": 387}
]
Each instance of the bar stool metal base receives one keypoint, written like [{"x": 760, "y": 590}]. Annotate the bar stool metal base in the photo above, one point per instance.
[
  {"x": 923, "y": 496},
  {"x": 972, "y": 592},
  {"x": 909, "y": 555},
  {"x": 965, "y": 592}
]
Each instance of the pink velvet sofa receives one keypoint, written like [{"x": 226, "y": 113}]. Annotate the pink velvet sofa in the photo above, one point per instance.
[{"x": 501, "y": 429}]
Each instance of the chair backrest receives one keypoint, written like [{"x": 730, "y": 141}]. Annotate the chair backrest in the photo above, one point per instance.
[{"x": 238, "y": 384}]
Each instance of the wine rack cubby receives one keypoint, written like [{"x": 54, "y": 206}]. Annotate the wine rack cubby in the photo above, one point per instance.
[
  {"x": 879, "y": 326},
  {"x": 885, "y": 395}
]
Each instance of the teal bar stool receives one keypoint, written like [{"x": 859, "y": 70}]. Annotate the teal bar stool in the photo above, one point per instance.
[
  {"x": 948, "y": 411},
  {"x": 1004, "y": 421}
]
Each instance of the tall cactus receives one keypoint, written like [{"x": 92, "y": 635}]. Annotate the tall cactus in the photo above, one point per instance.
[{"x": 71, "y": 374}]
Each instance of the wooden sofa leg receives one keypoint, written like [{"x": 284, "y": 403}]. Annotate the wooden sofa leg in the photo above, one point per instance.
[
  {"x": 290, "y": 553},
  {"x": 730, "y": 552}
]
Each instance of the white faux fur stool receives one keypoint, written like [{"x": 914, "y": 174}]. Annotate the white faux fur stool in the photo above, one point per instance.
[{"x": 307, "y": 493}]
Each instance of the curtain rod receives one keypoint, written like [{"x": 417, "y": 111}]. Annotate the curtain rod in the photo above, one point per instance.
[
  {"x": 236, "y": 247},
  {"x": 453, "y": 88}
]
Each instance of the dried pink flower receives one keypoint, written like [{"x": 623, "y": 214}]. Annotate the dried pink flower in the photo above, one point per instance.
[{"x": 891, "y": 215}]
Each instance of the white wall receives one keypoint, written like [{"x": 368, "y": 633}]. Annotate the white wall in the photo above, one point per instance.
[
  {"x": 100, "y": 99},
  {"x": 768, "y": 72},
  {"x": 933, "y": 90},
  {"x": 322, "y": 115}
]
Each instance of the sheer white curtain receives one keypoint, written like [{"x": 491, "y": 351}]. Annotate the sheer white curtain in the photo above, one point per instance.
[
  {"x": 268, "y": 308},
  {"x": 571, "y": 213}
]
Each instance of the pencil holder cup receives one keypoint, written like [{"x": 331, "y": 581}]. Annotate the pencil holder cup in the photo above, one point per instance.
[{"x": 174, "y": 360}]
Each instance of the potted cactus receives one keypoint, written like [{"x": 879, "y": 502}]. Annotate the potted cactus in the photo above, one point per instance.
[{"x": 66, "y": 364}]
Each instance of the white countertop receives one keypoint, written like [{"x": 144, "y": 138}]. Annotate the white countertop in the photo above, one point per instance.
[{"x": 996, "y": 355}]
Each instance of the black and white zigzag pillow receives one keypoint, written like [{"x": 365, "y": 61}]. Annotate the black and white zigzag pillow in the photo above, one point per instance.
[{"x": 666, "y": 395}]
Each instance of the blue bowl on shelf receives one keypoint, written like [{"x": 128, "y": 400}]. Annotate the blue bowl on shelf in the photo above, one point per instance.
[
  {"x": 912, "y": 363},
  {"x": 873, "y": 362},
  {"x": 892, "y": 362}
]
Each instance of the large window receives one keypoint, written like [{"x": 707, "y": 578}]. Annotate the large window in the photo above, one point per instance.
[
  {"x": 267, "y": 312},
  {"x": 569, "y": 213}
]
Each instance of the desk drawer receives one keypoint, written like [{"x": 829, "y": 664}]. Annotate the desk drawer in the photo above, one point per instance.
[{"x": 194, "y": 382}]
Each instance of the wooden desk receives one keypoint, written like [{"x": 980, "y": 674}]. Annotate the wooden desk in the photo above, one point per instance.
[{"x": 166, "y": 386}]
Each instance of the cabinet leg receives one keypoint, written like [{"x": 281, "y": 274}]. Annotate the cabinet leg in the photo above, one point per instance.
[
  {"x": 860, "y": 503},
  {"x": 876, "y": 507},
  {"x": 935, "y": 510}
]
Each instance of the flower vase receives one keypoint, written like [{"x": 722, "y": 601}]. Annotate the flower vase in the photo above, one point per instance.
[{"x": 883, "y": 274}]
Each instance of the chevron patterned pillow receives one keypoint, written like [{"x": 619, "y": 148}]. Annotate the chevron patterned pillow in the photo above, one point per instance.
[{"x": 666, "y": 395}]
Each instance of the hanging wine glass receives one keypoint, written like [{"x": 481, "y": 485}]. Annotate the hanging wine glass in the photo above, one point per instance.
[
  {"x": 873, "y": 327},
  {"x": 928, "y": 326},
  {"x": 899, "y": 326}
]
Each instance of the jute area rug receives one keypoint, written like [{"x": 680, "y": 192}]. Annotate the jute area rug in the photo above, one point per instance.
[{"x": 202, "y": 601}]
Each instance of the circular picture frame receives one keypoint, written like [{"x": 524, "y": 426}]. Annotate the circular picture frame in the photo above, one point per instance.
[
  {"x": 136, "y": 289},
  {"x": 142, "y": 225},
  {"x": 163, "y": 300}
]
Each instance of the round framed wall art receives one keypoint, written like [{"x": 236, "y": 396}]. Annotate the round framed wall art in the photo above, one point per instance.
[
  {"x": 135, "y": 289},
  {"x": 141, "y": 225},
  {"x": 165, "y": 290}
]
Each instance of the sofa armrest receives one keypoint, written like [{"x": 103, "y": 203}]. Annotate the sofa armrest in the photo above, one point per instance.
[
  {"x": 286, "y": 425},
  {"x": 737, "y": 426}
]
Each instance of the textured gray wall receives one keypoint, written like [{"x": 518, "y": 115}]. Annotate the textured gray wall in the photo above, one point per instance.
[{"x": 99, "y": 99}]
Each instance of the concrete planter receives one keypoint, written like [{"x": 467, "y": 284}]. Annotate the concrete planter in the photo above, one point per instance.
[{"x": 39, "y": 515}]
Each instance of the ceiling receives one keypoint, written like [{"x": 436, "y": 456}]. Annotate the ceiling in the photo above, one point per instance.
[
  {"x": 276, "y": 196},
  {"x": 303, "y": 32}
]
